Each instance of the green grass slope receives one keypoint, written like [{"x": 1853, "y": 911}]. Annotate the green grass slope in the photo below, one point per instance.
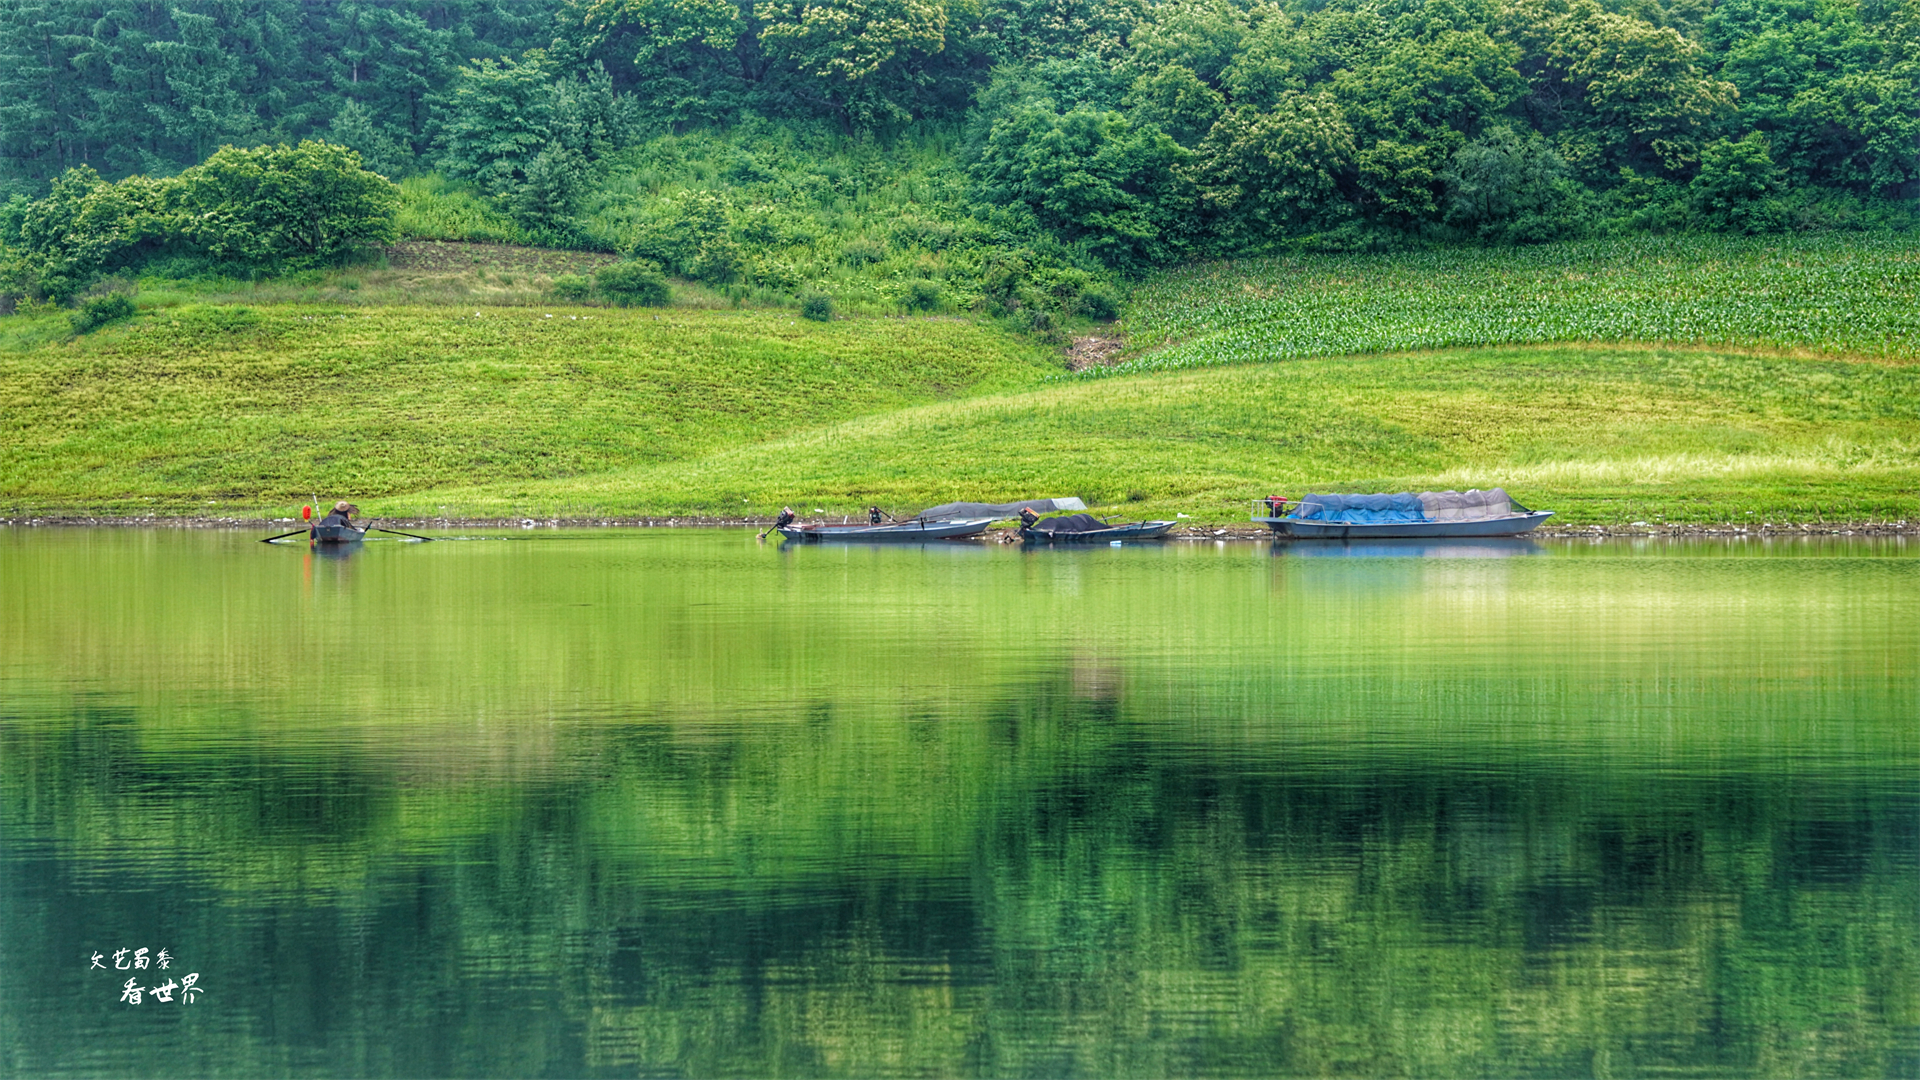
[
  {"x": 1598, "y": 433},
  {"x": 1809, "y": 409},
  {"x": 247, "y": 409}
]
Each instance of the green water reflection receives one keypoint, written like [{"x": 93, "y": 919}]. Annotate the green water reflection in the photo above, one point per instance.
[{"x": 677, "y": 803}]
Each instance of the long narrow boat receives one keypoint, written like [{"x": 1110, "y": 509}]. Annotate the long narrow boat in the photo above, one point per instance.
[
  {"x": 912, "y": 532},
  {"x": 1087, "y": 529},
  {"x": 1427, "y": 515},
  {"x": 336, "y": 534}
]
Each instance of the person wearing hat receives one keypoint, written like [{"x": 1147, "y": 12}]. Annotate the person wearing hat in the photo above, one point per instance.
[{"x": 343, "y": 512}]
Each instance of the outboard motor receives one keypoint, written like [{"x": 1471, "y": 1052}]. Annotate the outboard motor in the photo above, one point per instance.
[
  {"x": 1028, "y": 519},
  {"x": 873, "y": 515}
]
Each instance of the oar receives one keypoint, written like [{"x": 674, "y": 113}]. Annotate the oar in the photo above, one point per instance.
[
  {"x": 397, "y": 532},
  {"x": 282, "y": 536}
]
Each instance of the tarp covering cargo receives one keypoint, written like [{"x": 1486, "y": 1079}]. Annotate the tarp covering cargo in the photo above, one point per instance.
[
  {"x": 1467, "y": 505},
  {"x": 996, "y": 510},
  {"x": 1405, "y": 507},
  {"x": 1072, "y": 523}
]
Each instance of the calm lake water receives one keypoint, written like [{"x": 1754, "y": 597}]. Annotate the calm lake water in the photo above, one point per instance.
[{"x": 667, "y": 802}]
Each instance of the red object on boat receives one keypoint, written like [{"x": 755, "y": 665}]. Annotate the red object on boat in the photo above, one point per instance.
[{"x": 306, "y": 513}]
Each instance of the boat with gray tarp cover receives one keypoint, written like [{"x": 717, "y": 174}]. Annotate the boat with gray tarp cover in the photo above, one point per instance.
[
  {"x": 912, "y": 532},
  {"x": 1433, "y": 514},
  {"x": 1087, "y": 529},
  {"x": 948, "y": 521},
  {"x": 996, "y": 511}
]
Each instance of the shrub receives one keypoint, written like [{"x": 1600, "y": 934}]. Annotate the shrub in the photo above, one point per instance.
[
  {"x": 633, "y": 283},
  {"x": 863, "y": 252},
  {"x": 100, "y": 311},
  {"x": 571, "y": 287},
  {"x": 1096, "y": 304},
  {"x": 718, "y": 262},
  {"x": 816, "y": 306},
  {"x": 923, "y": 296}
]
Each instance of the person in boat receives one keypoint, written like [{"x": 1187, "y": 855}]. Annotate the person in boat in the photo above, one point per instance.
[
  {"x": 873, "y": 515},
  {"x": 342, "y": 514},
  {"x": 785, "y": 518}
]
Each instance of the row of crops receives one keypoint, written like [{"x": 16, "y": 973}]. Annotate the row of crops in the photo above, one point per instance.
[{"x": 1846, "y": 295}]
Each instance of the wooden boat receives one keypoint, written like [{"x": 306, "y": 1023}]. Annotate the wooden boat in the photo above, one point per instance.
[
  {"x": 1427, "y": 515},
  {"x": 912, "y": 532},
  {"x": 1086, "y": 529},
  {"x": 1430, "y": 530},
  {"x": 336, "y": 534}
]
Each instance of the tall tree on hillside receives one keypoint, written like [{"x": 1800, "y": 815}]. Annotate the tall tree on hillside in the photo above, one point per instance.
[
  {"x": 42, "y": 106},
  {"x": 219, "y": 69}
]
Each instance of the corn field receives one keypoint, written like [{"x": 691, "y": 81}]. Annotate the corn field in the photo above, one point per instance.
[{"x": 1855, "y": 295}]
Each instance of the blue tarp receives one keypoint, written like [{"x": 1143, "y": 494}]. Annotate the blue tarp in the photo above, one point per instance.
[
  {"x": 1362, "y": 509},
  {"x": 1406, "y": 507}
]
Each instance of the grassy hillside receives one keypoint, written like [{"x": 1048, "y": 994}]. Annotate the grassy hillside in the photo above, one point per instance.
[
  {"x": 250, "y": 408},
  {"x": 491, "y": 409},
  {"x": 1600, "y": 434}
]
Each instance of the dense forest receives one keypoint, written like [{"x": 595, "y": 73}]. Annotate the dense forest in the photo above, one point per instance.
[{"x": 1047, "y": 142}]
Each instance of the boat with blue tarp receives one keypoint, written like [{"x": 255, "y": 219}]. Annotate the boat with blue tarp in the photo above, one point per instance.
[{"x": 1402, "y": 515}]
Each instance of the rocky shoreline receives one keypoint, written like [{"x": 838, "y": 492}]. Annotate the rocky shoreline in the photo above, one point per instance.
[{"x": 1768, "y": 529}]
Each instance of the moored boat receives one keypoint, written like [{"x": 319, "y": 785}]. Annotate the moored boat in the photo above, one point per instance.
[
  {"x": 1404, "y": 515},
  {"x": 1087, "y": 529},
  {"x": 912, "y": 532}
]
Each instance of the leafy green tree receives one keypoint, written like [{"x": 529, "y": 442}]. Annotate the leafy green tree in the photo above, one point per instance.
[
  {"x": 1174, "y": 99},
  {"x": 1093, "y": 178},
  {"x": 495, "y": 121},
  {"x": 689, "y": 60},
  {"x": 1509, "y": 187},
  {"x": 1736, "y": 185},
  {"x": 83, "y": 227},
  {"x": 304, "y": 205},
  {"x": 841, "y": 45},
  {"x": 1201, "y": 36},
  {"x": 1811, "y": 76},
  {"x": 1411, "y": 111},
  {"x": 1638, "y": 94},
  {"x": 1275, "y": 171}
]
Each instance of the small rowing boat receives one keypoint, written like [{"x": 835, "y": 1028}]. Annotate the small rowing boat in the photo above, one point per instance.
[
  {"x": 336, "y": 534},
  {"x": 1087, "y": 529},
  {"x": 912, "y": 532}
]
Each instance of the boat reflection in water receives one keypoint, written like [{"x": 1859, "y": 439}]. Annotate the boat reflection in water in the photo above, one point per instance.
[
  {"x": 1484, "y": 547},
  {"x": 337, "y": 549}
]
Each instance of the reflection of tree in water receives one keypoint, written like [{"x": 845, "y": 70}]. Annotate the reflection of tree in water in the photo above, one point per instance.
[{"x": 1046, "y": 885}]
